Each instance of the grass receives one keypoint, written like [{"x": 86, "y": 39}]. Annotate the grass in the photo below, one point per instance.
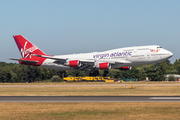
[
  {"x": 169, "y": 90},
  {"x": 90, "y": 111},
  {"x": 88, "y": 83}
]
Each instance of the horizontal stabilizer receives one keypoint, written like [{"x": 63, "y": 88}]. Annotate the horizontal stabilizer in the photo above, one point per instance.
[{"x": 28, "y": 61}]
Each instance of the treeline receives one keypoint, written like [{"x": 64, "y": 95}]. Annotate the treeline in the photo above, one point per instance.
[{"x": 17, "y": 73}]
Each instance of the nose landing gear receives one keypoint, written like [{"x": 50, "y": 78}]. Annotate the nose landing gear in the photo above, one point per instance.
[{"x": 155, "y": 69}]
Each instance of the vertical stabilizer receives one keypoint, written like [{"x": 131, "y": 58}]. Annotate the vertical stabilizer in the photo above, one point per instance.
[{"x": 26, "y": 48}]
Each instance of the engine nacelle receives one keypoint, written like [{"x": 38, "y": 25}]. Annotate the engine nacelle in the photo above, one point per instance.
[
  {"x": 126, "y": 68},
  {"x": 104, "y": 66},
  {"x": 73, "y": 63}
]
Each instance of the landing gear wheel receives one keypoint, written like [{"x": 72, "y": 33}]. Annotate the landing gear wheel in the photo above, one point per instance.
[
  {"x": 94, "y": 73},
  {"x": 105, "y": 73}
]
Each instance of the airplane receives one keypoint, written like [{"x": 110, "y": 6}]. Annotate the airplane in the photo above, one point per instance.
[{"x": 121, "y": 58}]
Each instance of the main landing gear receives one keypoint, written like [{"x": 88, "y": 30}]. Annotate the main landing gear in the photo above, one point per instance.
[{"x": 95, "y": 72}]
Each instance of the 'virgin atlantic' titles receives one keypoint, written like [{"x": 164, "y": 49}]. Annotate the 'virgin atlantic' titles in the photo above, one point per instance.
[{"x": 115, "y": 54}]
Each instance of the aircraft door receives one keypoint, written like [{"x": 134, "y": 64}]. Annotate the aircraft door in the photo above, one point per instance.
[{"x": 148, "y": 55}]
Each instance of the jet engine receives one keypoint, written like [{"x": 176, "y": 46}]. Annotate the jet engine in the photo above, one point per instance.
[
  {"x": 73, "y": 63},
  {"x": 104, "y": 66},
  {"x": 126, "y": 68}
]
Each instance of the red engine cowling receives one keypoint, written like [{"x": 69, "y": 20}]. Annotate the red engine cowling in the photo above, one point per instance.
[
  {"x": 104, "y": 66},
  {"x": 126, "y": 68},
  {"x": 74, "y": 63}
]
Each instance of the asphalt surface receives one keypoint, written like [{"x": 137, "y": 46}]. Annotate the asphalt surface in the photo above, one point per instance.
[{"x": 89, "y": 98}]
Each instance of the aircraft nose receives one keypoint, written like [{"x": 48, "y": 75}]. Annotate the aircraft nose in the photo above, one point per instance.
[{"x": 170, "y": 54}]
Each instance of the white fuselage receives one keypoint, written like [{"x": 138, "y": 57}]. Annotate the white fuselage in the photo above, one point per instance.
[{"x": 131, "y": 56}]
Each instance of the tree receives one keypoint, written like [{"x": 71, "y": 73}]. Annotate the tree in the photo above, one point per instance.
[
  {"x": 171, "y": 78},
  {"x": 13, "y": 78},
  {"x": 56, "y": 79},
  {"x": 157, "y": 75},
  {"x": 75, "y": 73},
  {"x": 142, "y": 72},
  {"x": 115, "y": 73}
]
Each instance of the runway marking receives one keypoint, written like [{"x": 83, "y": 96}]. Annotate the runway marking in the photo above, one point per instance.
[{"x": 166, "y": 98}]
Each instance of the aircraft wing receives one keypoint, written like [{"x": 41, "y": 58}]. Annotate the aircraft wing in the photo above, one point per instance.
[
  {"x": 89, "y": 61},
  {"x": 27, "y": 61},
  {"x": 62, "y": 59},
  {"x": 85, "y": 63}
]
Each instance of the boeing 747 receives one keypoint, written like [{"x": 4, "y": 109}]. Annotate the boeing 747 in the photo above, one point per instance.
[{"x": 121, "y": 58}]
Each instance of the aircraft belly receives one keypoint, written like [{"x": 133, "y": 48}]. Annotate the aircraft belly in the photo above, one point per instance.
[
  {"x": 49, "y": 63},
  {"x": 119, "y": 65},
  {"x": 56, "y": 66}
]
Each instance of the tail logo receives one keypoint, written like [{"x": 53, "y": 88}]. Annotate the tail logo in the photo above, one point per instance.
[{"x": 27, "y": 52}]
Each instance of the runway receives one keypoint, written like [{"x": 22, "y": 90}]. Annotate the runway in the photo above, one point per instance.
[{"x": 89, "y": 98}]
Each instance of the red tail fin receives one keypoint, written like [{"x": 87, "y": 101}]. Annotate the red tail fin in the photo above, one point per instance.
[{"x": 26, "y": 48}]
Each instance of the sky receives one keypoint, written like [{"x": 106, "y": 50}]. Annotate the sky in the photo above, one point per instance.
[{"x": 60, "y": 27}]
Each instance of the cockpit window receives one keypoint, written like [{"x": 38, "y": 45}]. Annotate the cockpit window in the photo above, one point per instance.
[{"x": 159, "y": 47}]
